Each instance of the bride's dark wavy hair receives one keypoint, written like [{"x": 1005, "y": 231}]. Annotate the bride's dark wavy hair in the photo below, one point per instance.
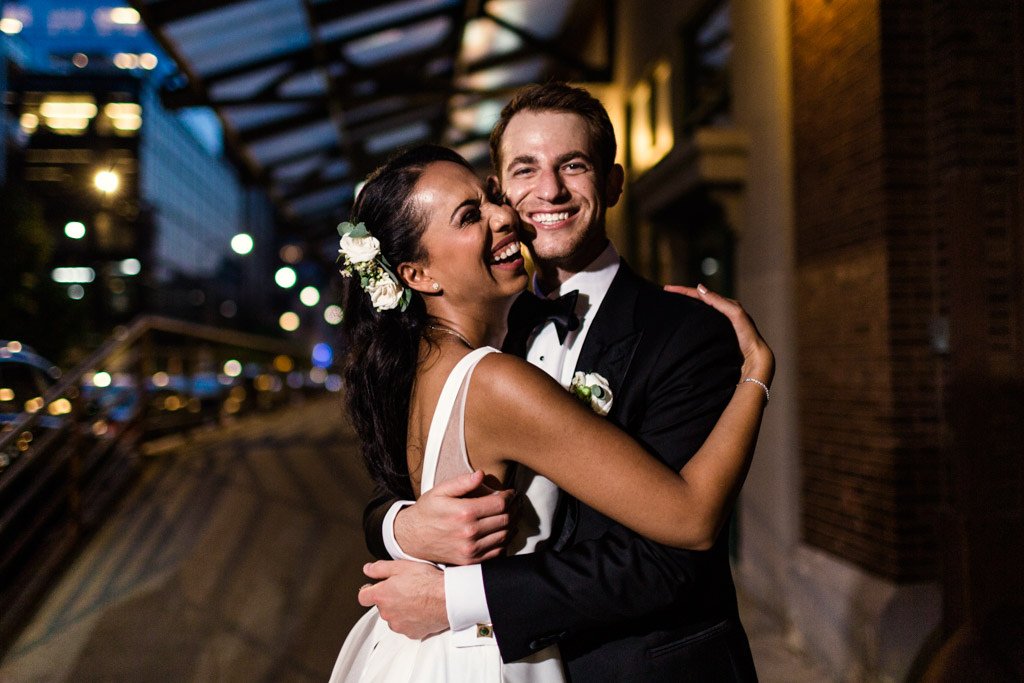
[{"x": 380, "y": 364}]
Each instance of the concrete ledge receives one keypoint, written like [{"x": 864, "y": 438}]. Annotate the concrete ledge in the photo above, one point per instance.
[{"x": 861, "y": 627}]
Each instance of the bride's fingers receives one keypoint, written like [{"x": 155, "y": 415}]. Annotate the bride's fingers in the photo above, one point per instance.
[
  {"x": 730, "y": 307},
  {"x": 681, "y": 289}
]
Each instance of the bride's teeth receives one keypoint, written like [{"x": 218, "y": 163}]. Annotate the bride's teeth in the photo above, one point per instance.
[{"x": 507, "y": 252}]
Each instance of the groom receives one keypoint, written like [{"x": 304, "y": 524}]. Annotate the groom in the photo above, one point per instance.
[{"x": 621, "y": 607}]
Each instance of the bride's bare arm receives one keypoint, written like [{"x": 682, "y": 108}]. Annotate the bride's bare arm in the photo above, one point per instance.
[{"x": 518, "y": 414}]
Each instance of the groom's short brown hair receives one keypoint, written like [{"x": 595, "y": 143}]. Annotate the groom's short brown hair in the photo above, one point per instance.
[{"x": 560, "y": 97}]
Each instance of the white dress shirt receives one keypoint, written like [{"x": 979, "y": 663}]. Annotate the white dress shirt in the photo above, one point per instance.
[{"x": 465, "y": 597}]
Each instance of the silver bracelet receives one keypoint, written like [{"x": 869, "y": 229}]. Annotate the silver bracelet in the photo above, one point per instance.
[{"x": 767, "y": 394}]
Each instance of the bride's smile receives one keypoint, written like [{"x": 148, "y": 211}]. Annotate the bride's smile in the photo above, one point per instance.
[
  {"x": 506, "y": 253},
  {"x": 471, "y": 243}
]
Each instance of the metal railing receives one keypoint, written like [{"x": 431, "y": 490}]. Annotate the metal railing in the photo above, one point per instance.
[{"x": 76, "y": 447}]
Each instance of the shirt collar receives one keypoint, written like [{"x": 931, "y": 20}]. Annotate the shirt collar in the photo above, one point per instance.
[{"x": 593, "y": 281}]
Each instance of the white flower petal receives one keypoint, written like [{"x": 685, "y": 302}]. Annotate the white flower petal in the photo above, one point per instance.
[{"x": 360, "y": 249}]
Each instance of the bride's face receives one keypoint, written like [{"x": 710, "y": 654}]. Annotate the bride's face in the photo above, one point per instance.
[{"x": 471, "y": 237}]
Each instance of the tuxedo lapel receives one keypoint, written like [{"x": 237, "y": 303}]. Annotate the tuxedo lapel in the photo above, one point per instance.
[
  {"x": 614, "y": 335},
  {"x": 608, "y": 350}
]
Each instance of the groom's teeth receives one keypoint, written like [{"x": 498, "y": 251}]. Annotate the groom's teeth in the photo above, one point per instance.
[{"x": 549, "y": 218}]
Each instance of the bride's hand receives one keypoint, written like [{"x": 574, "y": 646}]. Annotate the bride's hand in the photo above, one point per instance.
[{"x": 758, "y": 359}]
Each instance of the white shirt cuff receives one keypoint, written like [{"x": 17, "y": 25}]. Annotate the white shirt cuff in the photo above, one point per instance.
[
  {"x": 388, "y": 531},
  {"x": 466, "y": 603}
]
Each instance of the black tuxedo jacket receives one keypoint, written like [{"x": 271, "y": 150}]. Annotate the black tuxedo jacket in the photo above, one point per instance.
[{"x": 622, "y": 607}]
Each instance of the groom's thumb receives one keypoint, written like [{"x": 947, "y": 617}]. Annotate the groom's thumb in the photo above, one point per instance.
[
  {"x": 461, "y": 485},
  {"x": 381, "y": 569}
]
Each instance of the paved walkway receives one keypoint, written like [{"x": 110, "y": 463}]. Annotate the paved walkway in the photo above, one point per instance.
[{"x": 237, "y": 558}]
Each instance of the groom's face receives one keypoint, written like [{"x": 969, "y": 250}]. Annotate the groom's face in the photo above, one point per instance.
[{"x": 551, "y": 176}]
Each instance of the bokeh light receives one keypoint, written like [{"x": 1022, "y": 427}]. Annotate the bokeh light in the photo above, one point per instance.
[
  {"x": 323, "y": 355},
  {"x": 242, "y": 243},
  {"x": 285, "y": 277},
  {"x": 310, "y": 296},
  {"x": 289, "y": 321},
  {"x": 107, "y": 181},
  {"x": 61, "y": 406},
  {"x": 11, "y": 26},
  {"x": 75, "y": 230},
  {"x": 124, "y": 15},
  {"x": 333, "y": 314},
  {"x": 291, "y": 253}
]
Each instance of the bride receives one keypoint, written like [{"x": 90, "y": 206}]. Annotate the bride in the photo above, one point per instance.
[{"x": 433, "y": 267}]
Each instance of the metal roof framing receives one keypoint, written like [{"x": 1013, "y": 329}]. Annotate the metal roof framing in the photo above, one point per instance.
[{"x": 313, "y": 95}]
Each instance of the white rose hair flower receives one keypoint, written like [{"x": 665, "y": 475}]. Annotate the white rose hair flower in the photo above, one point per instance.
[
  {"x": 359, "y": 254},
  {"x": 359, "y": 249},
  {"x": 594, "y": 390},
  {"x": 385, "y": 293}
]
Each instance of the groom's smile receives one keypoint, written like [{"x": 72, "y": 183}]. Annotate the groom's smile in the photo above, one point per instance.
[{"x": 551, "y": 220}]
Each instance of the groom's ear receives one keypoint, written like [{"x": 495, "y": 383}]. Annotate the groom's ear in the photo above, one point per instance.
[
  {"x": 494, "y": 187},
  {"x": 613, "y": 185},
  {"x": 415, "y": 275}
]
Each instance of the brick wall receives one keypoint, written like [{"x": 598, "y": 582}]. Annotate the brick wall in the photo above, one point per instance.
[
  {"x": 849, "y": 445},
  {"x": 907, "y": 141},
  {"x": 976, "y": 130}
]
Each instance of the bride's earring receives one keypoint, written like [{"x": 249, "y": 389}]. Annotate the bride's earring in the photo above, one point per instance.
[{"x": 436, "y": 286}]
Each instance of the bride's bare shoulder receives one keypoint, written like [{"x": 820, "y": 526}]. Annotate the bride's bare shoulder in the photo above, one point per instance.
[{"x": 503, "y": 379}]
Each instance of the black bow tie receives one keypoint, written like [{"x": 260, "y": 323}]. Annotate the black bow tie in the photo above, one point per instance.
[{"x": 528, "y": 311}]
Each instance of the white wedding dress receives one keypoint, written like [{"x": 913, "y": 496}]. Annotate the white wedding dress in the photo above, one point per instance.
[{"x": 373, "y": 653}]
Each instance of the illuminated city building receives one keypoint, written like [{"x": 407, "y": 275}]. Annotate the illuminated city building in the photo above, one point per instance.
[{"x": 152, "y": 203}]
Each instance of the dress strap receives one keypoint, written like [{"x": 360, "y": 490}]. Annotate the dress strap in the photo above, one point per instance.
[{"x": 443, "y": 413}]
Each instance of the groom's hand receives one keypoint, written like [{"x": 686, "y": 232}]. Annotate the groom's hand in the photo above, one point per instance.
[
  {"x": 410, "y": 597},
  {"x": 445, "y": 527}
]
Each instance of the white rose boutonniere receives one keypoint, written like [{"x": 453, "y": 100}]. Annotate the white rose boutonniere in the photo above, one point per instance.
[
  {"x": 385, "y": 293},
  {"x": 594, "y": 390}
]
